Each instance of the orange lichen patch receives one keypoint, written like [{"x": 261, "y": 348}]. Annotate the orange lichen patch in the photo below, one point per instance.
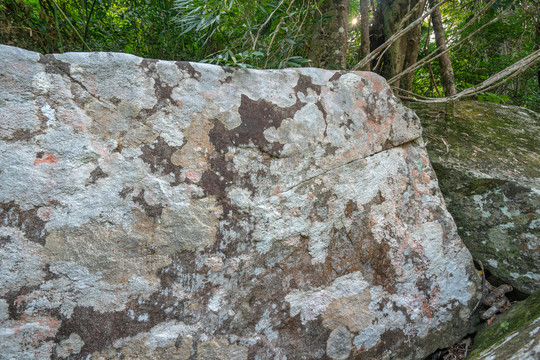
[
  {"x": 19, "y": 301},
  {"x": 295, "y": 211},
  {"x": 72, "y": 118},
  {"x": 208, "y": 95},
  {"x": 90, "y": 83},
  {"x": 425, "y": 159},
  {"x": 357, "y": 352},
  {"x": 426, "y": 307},
  {"x": 43, "y": 327},
  {"x": 434, "y": 294},
  {"x": 194, "y": 154},
  {"x": 47, "y": 158},
  {"x": 427, "y": 310},
  {"x": 44, "y": 213},
  {"x": 378, "y": 82},
  {"x": 193, "y": 175},
  {"x": 360, "y": 103},
  {"x": 425, "y": 177}
]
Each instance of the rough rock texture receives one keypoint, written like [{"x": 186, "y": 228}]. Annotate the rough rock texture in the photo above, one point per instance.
[
  {"x": 154, "y": 209},
  {"x": 515, "y": 335},
  {"x": 487, "y": 159}
]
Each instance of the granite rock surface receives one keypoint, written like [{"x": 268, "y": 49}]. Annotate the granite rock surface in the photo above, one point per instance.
[{"x": 156, "y": 209}]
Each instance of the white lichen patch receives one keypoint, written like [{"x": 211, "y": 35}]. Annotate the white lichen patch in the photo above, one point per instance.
[
  {"x": 148, "y": 243},
  {"x": 76, "y": 286},
  {"x": 169, "y": 73},
  {"x": 338, "y": 346},
  {"x": 70, "y": 346},
  {"x": 99, "y": 71},
  {"x": 310, "y": 304},
  {"x": 21, "y": 261}
]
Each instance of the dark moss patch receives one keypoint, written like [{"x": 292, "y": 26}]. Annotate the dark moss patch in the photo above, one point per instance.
[
  {"x": 55, "y": 66},
  {"x": 229, "y": 77},
  {"x": 96, "y": 174},
  {"x": 337, "y": 75},
  {"x": 26, "y": 220},
  {"x": 300, "y": 341},
  {"x": 16, "y": 308},
  {"x": 22, "y": 135},
  {"x": 257, "y": 116},
  {"x": 100, "y": 330},
  {"x": 125, "y": 192},
  {"x": 150, "y": 210},
  {"x": 220, "y": 176},
  {"x": 4, "y": 240},
  {"x": 158, "y": 156},
  {"x": 304, "y": 83},
  {"x": 187, "y": 67},
  {"x": 345, "y": 256},
  {"x": 387, "y": 341},
  {"x": 162, "y": 91},
  {"x": 351, "y": 208}
]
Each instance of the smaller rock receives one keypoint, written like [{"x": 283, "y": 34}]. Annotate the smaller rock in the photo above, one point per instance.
[
  {"x": 487, "y": 159},
  {"x": 514, "y": 335}
]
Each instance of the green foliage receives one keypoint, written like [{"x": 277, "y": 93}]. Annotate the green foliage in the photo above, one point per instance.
[
  {"x": 263, "y": 34},
  {"x": 140, "y": 27},
  {"x": 494, "y": 98},
  {"x": 270, "y": 34},
  {"x": 497, "y": 47},
  {"x": 488, "y": 52}
]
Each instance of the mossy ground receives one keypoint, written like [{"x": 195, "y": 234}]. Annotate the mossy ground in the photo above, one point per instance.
[
  {"x": 486, "y": 136},
  {"x": 516, "y": 320}
]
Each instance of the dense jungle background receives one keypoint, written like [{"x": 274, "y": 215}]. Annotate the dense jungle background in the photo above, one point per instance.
[{"x": 483, "y": 49}]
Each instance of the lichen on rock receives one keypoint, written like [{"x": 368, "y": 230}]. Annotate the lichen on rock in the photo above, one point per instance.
[
  {"x": 487, "y": 159},
  {"x": 178, "y": 210}
]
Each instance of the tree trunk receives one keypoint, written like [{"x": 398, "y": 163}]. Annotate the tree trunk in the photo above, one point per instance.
[
  {"x": 388, "y": 18},
  {"x": 364, "y": 29},
  {"x": 447, "y": 72},
  {"x": 537, "y": 46},
  {"x": 413, "y": 46},
  {"x": 329, "y": 41}
]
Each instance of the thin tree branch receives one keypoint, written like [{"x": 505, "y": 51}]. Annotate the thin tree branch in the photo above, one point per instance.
[
  {"x": 70, "y": 24},
  {"x": 433, "y": 79},
  {"x": 275, "y": 33},
  {"x": 372, "y": 55},
  {"x": 264, "y": 24},
  {"x": 427, "y": 58},
  {"x": 496, "y": 80}
]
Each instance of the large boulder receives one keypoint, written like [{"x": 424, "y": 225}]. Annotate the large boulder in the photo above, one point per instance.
[
  {"x": 156, "y": 209},
  {"x": 487, "y": 158}
]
